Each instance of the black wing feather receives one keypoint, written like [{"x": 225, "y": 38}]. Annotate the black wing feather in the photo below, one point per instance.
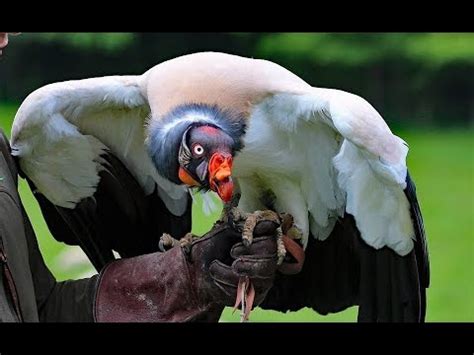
[
  {"x": 344, "y": 271},
  {"x": 119, "y": 216},
  {"x": 421, "y": 244}
]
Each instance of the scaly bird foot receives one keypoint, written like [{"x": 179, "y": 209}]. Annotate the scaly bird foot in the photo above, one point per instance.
[
  {"x": 295, "y": 233},
  {"x": 167, "y": 242},
  {"x": 281, "y": 250},
  {"x": 252, "y": 220}
]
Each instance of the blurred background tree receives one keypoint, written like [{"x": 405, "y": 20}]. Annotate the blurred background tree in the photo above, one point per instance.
[{"x": 414, "y": 79}]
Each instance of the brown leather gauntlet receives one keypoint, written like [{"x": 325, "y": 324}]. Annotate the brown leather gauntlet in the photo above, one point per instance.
[
  {"x": 149, "y": 288},
  {"x": 179, "y": 286}
]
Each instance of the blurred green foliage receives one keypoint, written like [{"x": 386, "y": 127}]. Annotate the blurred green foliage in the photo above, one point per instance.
[
  {"x": 431, "y": 50},
  {"x": 413, "y": 78},
  {"x": 326, "y": 48},
  {"x": 85, "y": 41}
]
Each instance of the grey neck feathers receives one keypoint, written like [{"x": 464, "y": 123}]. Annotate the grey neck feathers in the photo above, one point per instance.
[{"x": 165, "y": 135}]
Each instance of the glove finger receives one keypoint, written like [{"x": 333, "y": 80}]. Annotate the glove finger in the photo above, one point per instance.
[
  {"x": 265, "y": 228},
  {"x": 223, "y": 275},
  {"x": 220, "y": 233},
  {"x": 261, "y": 268},
  {"x": 260, "y": 247}
]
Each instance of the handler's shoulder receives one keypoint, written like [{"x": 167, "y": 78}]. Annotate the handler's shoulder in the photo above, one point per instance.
[{"x": 7, "y": 164}]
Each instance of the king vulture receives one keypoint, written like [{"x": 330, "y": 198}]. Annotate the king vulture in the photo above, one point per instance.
[{"x": 111, "y": 161}]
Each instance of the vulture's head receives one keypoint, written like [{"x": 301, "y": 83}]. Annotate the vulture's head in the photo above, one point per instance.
[{"x": 195, "y": 145}]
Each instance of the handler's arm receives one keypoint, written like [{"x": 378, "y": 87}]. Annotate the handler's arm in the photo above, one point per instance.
[
  {"x": 66, "y": 301},
  {"x": 55, "y": 301}
]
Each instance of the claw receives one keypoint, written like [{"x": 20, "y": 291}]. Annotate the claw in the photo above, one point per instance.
[
  {"x": 247, "y": 242},
  {"x": 286, "y": 222},
  {"x": 161, "y": 246},
  {"x": 166, "y": 242},
  {"x": 249, "y": 226},
  {"x": 281, "y": 249},
  {"x": 231, "y": 220},
  {"x": 295, "y": 233}
]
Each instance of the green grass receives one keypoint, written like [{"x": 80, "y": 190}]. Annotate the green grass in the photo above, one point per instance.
[{"x": 442, "y": 165}]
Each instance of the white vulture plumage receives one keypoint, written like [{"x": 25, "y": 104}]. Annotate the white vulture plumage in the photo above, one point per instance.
[{"x": 111, "y": 161}]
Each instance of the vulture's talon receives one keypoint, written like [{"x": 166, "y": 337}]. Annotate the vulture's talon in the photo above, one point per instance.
[
  {"x": 161, "y": 247},
  {"x": 231, "y": 221},
  {"x": 186, "y": 240},
  {"x": 281, "y": 250},
  {"x": 289, "y": 228},
  {"x": 235, "y": 217},
  {"x": 252, "y": 220},
  {"x": 247, "y": 241},
  {"x": 295, "y": 232},
  {"x": 249, "y": 226},
  {"x": 167, "y": 242},
  {"x": 228, "y": 211},
  {"x": 287, "y": 222}
]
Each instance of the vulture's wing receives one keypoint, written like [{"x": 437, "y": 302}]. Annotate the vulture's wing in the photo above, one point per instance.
[
  {"x": 369, "y": 246},
  {"x": 343, "y": 271},
  {"x": 81, "y": 146}
]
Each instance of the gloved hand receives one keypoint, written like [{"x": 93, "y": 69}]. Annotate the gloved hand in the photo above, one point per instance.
[
  {"x": 188, "y": 285},
  {"x": 220, "y": 258}
]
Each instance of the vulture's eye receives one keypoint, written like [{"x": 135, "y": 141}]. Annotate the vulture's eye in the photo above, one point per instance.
[{"x": 198, "y": 149}]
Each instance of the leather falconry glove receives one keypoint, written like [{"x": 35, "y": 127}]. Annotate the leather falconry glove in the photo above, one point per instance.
[{"x": 188, "y": 284}]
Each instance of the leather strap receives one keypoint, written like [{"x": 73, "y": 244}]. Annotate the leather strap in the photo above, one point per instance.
[
  {"x": 10, "y": 283},
  {"x": 297, "y": 252}
]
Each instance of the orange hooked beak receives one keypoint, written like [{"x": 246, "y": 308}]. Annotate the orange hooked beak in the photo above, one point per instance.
[{"x": 220, "y": 171}]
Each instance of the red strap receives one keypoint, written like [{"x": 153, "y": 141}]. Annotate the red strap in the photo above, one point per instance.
[
  {"x": 297, "y": 252},
  {"x": 246, "y": 286}
]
